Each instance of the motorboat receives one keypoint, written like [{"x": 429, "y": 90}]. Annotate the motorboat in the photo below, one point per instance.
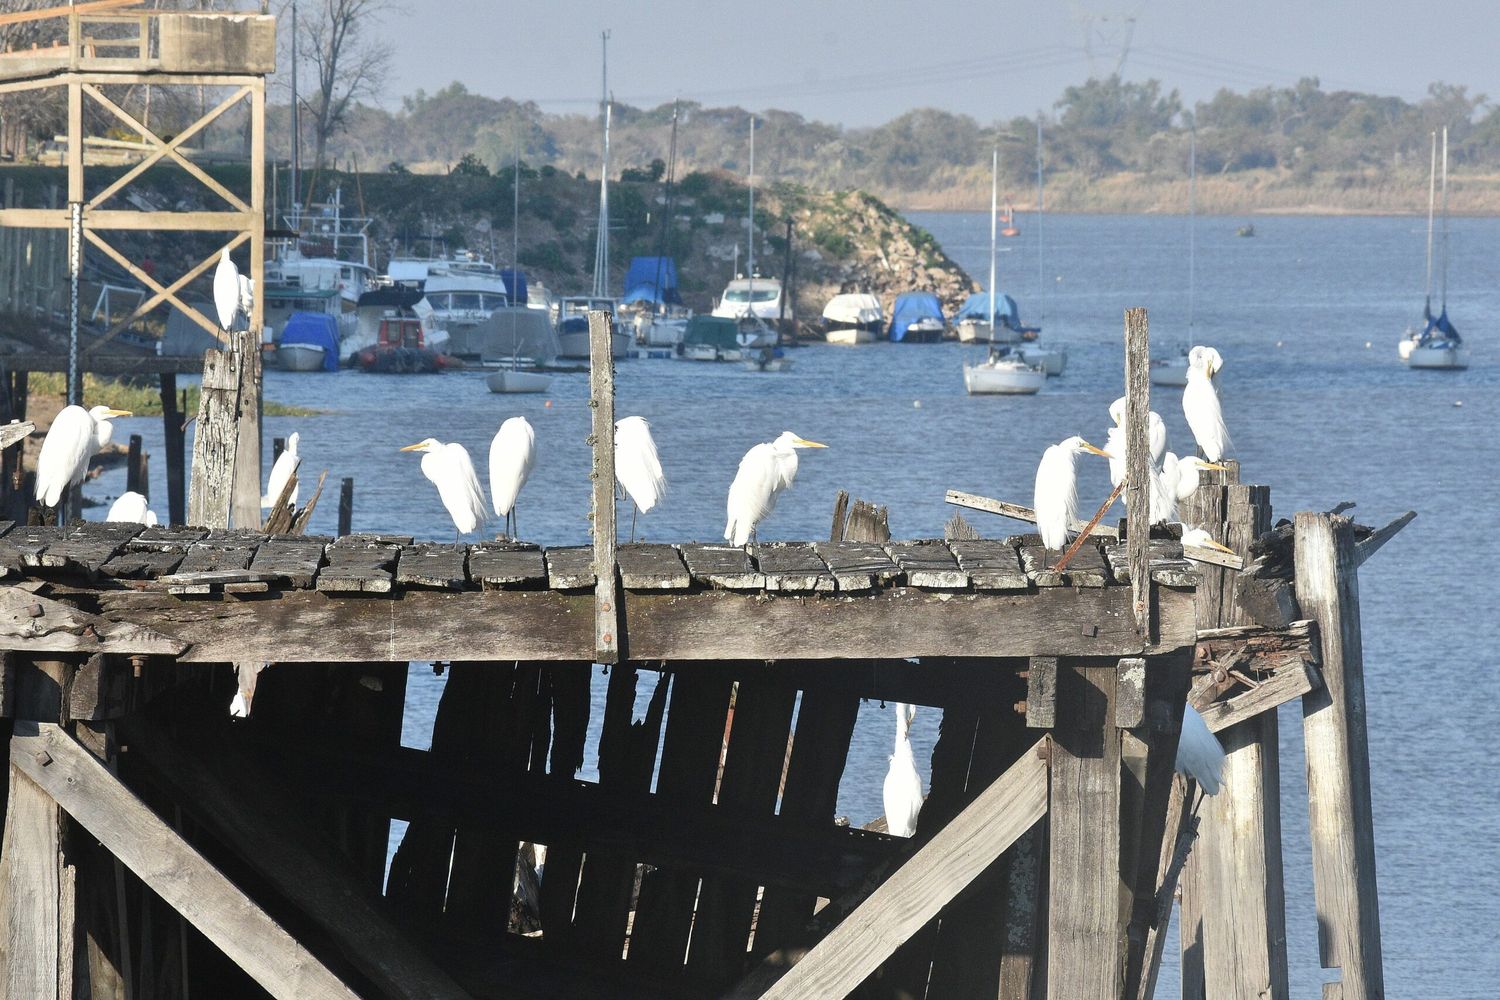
[
  {"x": 852, "y": 318},
  {"x": 324, "y": 268},
  {"x": 402, "y": 348},
  {"x": 1171, "y": 370},
  {"x": 463, "y": 289},
  {"x": 710, "y": 338},
  {"x": 756, "y": 297},
  {"x": 309, "y": 343},
  {"x": 573, "y": 326},
  {"x": 1438, "y": 344},
  {"x": 1003, "y": 375},
  {"x": 1052, "y": 360},
  {"x": 917, "y": 318},
  {"x": 754, "y": 333},
  {"x": 510, "y": 380},
  {"x": 976, "y": 323},
  {"x": 765, "y": 359}
]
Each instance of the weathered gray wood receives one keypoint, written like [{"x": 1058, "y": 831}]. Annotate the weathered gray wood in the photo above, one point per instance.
[
  {"x": 136, "y": 565},
  {"x": 794, "y": 567},
  {"x": 1338, "y": 759},
  {"x": 1376, "y": 541},
  {"x": 726, "y": 566},
  {"x": 1041, "y": 692},
  {"x": 29, "y": 891},
  {"x": 1017, "y": 512},
  {"x": 857, "y": 566},
  {"x": 1084, "y": 934},
  {"x": 435, "y": 566},
  {"x": 160, "y": 538},
  {"x": 840, "y": 514},
  {"x": 358, "y": 565},
  {"x": 868, "y": 522},
  {"x": 15, "y": 431},
  {"x": 496, "y": 565},
  {"x": 958, "y": 528},
  {"x": 602, "y": 401},
  {"x": 652, "y": 567},
  {"x": 33, "y": 625},
  {"x": 914, "y": 894},
  {"x": 570, "y": 568},
  {"x": 215, "y": 441},
  {"x": 1138, "y": 461},
  {"x": 1200, "y": 553},
  {"x": 169, "y": 866},
  {"x": 928, "y": 564},
  {"x": 990, "y": 564},
  {"x": 294, "y": 561},
  {"x": 84, "y": 548},
  {"x": 202, "y": 557},
  {"x": 1291, "y": 681},
  {"x": 1130, "y": 693},
  {"x": 1268, "y": 601},
  {"x": 206, "y": 582},
  {"x": 246, "y": 500}
]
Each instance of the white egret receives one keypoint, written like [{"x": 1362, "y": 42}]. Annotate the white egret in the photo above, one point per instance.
[
  {"x": 1114, "y": 441},
  {"x": 1200, "y": 756},
  {"x": 637, "y": 467},
  {"x": 286, "y": 465},
  {"x": 1198, "y": 538},
  {"x": 512, "y": 454},
  {"x": 226, "y": 290},
  {"x": 1182, "y": 475},
  {"x": 1056, "y": 494},
  {"x": 131, "y": 507},
  {"x": 903, "y": 785},
  {"x": 765, "y": 471},
  {"x": 448, "y": 467},
  {"x": 1200, "y": 403},
  {"x": 247, "y": 296},
  {"x": 76, "y": 435}
]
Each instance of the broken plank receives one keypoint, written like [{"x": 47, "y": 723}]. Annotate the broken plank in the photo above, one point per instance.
[
  {"x": 33, "y": 624},
  {"x": 858, "y": 566},
  {"x": 990, "y": 563},
  {"x": 142, "y": 565},
  {"x": 652, "y": 567},
  {"x": 433, "y": 566},
  {"x": 1291, "y": 681},
  {"x": 358, "y": 565},
  {"x": 203, "y": 557},
  {"x": 726, "y": 566},
  {"x": 570, "y": 568},
  {"x": 1367, "y": 548},
  {"x": 793, "y": 566},
  {"x": 500, "y": 565},
  {"x": 928, "y": 565},
  {"x": 294, "y": 561},
  {"x": 16, "y": 430},
  {"x": 1017, "y": 512}
]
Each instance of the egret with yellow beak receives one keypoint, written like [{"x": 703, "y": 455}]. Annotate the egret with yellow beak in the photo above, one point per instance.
[
  {"x": 765, "y": 471},
  {"x": 76, "y": 435},
  {"x": 1200, "y": 403},
  {"x": 1056, "y": 494},
  {"x": 449, "y": 468}
]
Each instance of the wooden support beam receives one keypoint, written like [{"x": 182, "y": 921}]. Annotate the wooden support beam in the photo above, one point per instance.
[
  {"x": 1017, "y": 512},
  {"x": 913, "y": 895},
  {"x": 1288, "y": 682},
  {"x": 15, "y": 432},
  {"x": 1137, "y": 462},
  {"x": 30, "y": 903},
  {"x": 171, "y": 867},
  {"x": 245, "y": 501},
  {"x": 216, "y": 443},
  {"x": 1367, "y": 548},
  {"x": 1338, "y": 759},
  {"x": 1041, "y": 692},
  {"x": 602, "y": 401},
  {"x": 34, "y": 625}
]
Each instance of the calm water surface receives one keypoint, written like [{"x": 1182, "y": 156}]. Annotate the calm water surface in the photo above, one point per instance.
[{"x": 1314, "y": 412}]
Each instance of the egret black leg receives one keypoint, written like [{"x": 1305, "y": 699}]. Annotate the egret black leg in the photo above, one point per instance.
[{"x": 634, "y": 510}]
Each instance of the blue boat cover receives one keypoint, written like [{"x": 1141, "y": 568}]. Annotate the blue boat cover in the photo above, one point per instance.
[
  {"x": 515, "y": 283},
  {"x": 975, "y": 307},
  {"x": 314, "y": 328},
  {"x": 910, "y": 307},
  {"x": 641, "y": 281},
  {"x": 1439, "y": 329}
]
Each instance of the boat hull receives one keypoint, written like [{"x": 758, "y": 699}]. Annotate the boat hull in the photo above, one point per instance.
[
  {"x": 300, "y": 357},
  {"x": 1169, "y": 371},
  {"x": 975, "y": 332},
  {"x": 850, "y": 336},
  {"x": 508, "y": 381},
  {"x": 1439, "y": 358},
  {"x": 1002, "y": 380},
  {"x": 1051, "y": 360},
  {"x": 574, "y": 344}
]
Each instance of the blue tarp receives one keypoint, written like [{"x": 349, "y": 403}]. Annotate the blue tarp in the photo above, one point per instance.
[
  {"x": 910, "y": 307},
  {"x": 314, "y": 328},
  {"x": 515, "y": 284},
  {"x": 1439, "y": 328},
  {"x": 641, "y": 281},
  {"x": 978, "y": 305}
]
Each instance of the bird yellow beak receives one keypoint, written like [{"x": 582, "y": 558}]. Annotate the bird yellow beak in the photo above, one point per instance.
[
  {"x": 120, "y": 413},
  {"x": 1095, "y": 451},
  {"x": 413, "y": 447},
  {"x": 1217, "y": 547},
  {"x": 804, "y": 443},
  {"x": 1214, "y": 466}
]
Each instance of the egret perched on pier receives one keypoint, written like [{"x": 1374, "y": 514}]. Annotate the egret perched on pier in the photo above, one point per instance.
[
  {"x": 1114, "y": 440},
  {"x": 765, "y": 471},
  {"x": 448, "y": 467},
  {"x": 1198, "y": 538},
  {"x": 1200, "y": 756},
  {"x": 132, "y": 508},
  {"x": 76, "y": 435},
  {"x": 512, "y": 454},
  {"x": 903, "y": 785},
  {"x": 1056, "y": 495},
  {"x": 1200, "y": 403},
  {"x": 226, "y": 290},
  {"x": 286, "y": 465},
  {"x": 637, "y": 467},
  {"x": 1182, "y": 475}
]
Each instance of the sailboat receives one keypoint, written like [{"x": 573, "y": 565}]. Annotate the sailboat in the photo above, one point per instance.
[
  {"x": 1437, "y": 344},
  {"x": 1009, "y": 229},
  {"x": 757, "y": 339},
  {"x": 1001, "y": 373},
  {"x": 513, "y": 379},
  {"x": 1052, "y": 360},
  {"x": 1172, "y": 369}
]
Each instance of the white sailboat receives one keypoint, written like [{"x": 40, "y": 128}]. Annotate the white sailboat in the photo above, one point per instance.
[
  {"x": 1000, "y": 373},
  {"x": 513, "y": 379},
  {"x": 1438, "y": 344},
  {"x": 1050, "y": 359}
]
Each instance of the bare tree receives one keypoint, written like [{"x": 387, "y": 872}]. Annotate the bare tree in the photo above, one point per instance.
[{"x": 347, "y": 57}]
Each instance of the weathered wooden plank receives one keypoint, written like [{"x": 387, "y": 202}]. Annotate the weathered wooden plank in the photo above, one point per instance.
[
  {"x": 607, "y": 625},
  {"x": 928, "y": 564},
  {"x": 857, "y": 566},
  {"x": 1334, "y": 726},
  {"x": 506, "y": 565},
  {"x": 215, "y": 441},
  {"x": 793, "y": 566},
  {"x": 142, "y": 565},
  {"x": 318, "y": 884},
  {"x": 197, "y": 584},
  {"x": 1291, "y": 681},
  {"x": 912, "y": 896},
  {"x": 84, "y": 548},
  {"x": 1377, "y": 540},
  {"x": 207, "y": 558},
  {"x": 170, "y": 866},
  {"x": 570, "y": 568},
  {"x": 16, "y": 430},
  {"x": 358, "y": 565},
  {"x": 991, "y": 564},
  {"x": 1018, "y": 512},
  {"x": 435, "y": 566},
  {"x": 652, "y": 567},
  {"x": 29, "y": 904},
  {"x": 726, "y": 566},
  {"x": 293, "y": 561},
  {"x": 23, "y": 545},
  {"x": 1041, "y": 692},
  {"x": 1130, "y": 693},
  {"x": 173, "y": 539},
  {"x": 33, "y": 624},
  {"x": 1138, "y": 461}
]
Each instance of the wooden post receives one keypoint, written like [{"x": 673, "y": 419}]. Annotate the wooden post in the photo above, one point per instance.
[
  {"x": 245, "y": 506},
  {"x": 1137, "y": 463},
  {"x": 216, "y": 441},
  {"x": 173, "y": 439},
  {"x": 1338, "y": 761},
  {"x": 278, "y": 445},
  {"x": 346, "y": 506},
  {"x": 1084, "y": 931},
  {"x": 135, "y": 469},
  {"x": 602, "y": 400}
]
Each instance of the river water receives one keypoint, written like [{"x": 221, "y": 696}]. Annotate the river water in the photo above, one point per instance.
[{"x": 1313, "y": 410}]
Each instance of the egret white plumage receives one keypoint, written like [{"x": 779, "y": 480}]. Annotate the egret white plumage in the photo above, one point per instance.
[
  {"x": 1114, "y": 440},
  {"x": 286, "y": 464},
  {"x": 637, "y": 467},
  {"x": 1200, "y": 403},
  {"x": 1056, "y": 493},
  {"x": 512, "y": 454},
  {"x": 247, "y": 295},
  {"x": 132, "y": 508},
  {"x": 765, "y": 471},
  {"x": 1198, "y": 538},
  {"x": 903, "y": 785},
  {"x": 449, "y": 468},
  {"x": 226, "y": 290},
  {"x": 1200, "y": 756},
  {"x": 75, "y": 436},
  {"x": 1182, "y": 475}
]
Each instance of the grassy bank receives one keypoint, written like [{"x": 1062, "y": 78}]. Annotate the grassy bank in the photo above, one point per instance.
[{"x": 140, "y": 398}]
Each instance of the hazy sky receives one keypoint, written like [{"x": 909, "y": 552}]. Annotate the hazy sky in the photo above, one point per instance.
[{"x": 860, "y": 63}]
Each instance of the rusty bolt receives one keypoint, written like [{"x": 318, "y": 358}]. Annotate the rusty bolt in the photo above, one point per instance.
[
  {"x": 1044, "y": 751},
  {"x": 608, "y": 637},
  {"x": 1089, "y": 631},
  {"x": 90, "y": 632},
  {"x": 1020, "y": 707},
  {"x": 34, "y": 610},
  {"x": 137, "y": 665},
  {"x": 1025, "y": 675}
]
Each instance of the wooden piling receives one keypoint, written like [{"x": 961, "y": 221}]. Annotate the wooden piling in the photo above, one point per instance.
[
  {"x": 216, "y": 441},
  {"x": 136, "y": 478},
  {"x": 346, "y": 506},
  {"x": 173, "y": 437},
  {"x": 1334, "y": 727},
  {"x": 602, "y": 400},
  {"x": 1137, "y": 462}
]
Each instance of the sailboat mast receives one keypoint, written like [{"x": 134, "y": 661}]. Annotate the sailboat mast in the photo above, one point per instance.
[
  {"x": 1431, "y": 201},
  {"x": 994, "y": 208},
  {"x": 296, "y": 124},
  {"x": 1041, "y": 273},
  {"x": 515, "y": 251},
  {"x": 1192, "y": 225},
  {"x": 1444, "y": 289},
  {"x": 666, "y": 216},
  {"x": 601, "y": 245},
  {"x": 750, "y": 229}
]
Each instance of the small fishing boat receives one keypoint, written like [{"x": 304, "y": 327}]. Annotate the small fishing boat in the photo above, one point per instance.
[
  {"x": 1438, "y": 344},
  {"x": 917, "y": 318},
  {"x": 1002, "y": 374},
  {"x": 765, "y": 359},
  {"x": 309, "y": 343},
  {"x": 852, "y": 318},
  {"x": 1171, "y": 370},
  {"x": 710, "y": 338},
  {"x": 402, "y": 349},
  {"x": 509, "y": 380}
]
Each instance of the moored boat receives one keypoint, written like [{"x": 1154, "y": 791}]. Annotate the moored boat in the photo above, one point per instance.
[
  {"x": 852, "y": 318},
  {"x": 917, "y": 318},
  {"x": 402, "y": 348},
  {"x": 573, "y": 326},
  {"x": 710, "y": 338},
  {"x": 309, "y": 343},
  {"x": 1052, "y": 360},
  {"x": 1003, "y": 375},
  {"x": 1438, "y": 345},
  {"x": 512, "y": 380}
]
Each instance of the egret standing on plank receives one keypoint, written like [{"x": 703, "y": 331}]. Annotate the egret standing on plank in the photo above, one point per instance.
[
  {"x": 1200, "y": 403},
  {"x": 1056, "y": 494},
  {"x": 226, "y": 290},
  {"x": 76, "y": 435},
  {"x": 448, "y": 467},
  {"x": 903, "y": 785},
  {"x": 637, "y": 468},
  {"x": 512, "y": 454},
  {"x": 765, "y": 471},
  {"x": 131, "y": 507},
  {"x": 285, "y": 467},
  {"x": 1200, "y": 756}
]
